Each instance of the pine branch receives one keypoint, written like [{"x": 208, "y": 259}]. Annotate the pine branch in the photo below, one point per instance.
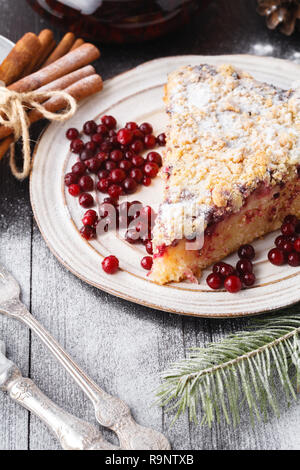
[{"x": 243, "y": 367}]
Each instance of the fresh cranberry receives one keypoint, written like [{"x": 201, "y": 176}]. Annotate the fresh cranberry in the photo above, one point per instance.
[
  {"x": 74, "y": 189},
  {"x": 93, "y": 164},
  {"x": 297, "y": 245},
  {"x": 161, "y": 139},
  {"x": 117, "y": 175},
  {"x": 287, "y": 246},
  {"x": 76, "y": 146},
  {"x": 112, "y": 133},
  {"x": 79, "y": 168},
  {"x": 115, "y": 191},
  {"x": 109, "y": 165},
  {"x": 103, "y": 185},
  {"x": 136, "y": 174},
  {"x": 97, "y": 139},
  {"x": 217, "y": 267},
  {"x": 288, "y": 229},
  {"x": 244, "y": 265},
  {"x": 103, "y": 174},
  {"x": 280, "y": 241},
  {"x": 90, "y": 127},
  {"x": 92, "y": 215},
  {"x": 129, "y": 185},
  {"x": 106, "y": 146},
  {"x": 137, "y": 146},
  {"x": 72, "y": 134},
  {"x": 86, "y": 200},
  {"x": 102, "y": 156},
  {"x": 248, "y": 279},
  {"x": 131, "y": 125},
  {"x": 290, "y": 219},
  {"x": 137, "y": 134},
  {"x": 124, "y": 136},
  {"x": 214, "y": 281},
  {"x": 146, "y": 128},
  {"x": 146, "y": 181},
  {"x": 87, "y": 232},
  {"x": 137, "y": 160},
  {"x": 132, "y": 236},
  {"x": 223, "y": 269},
  {"x": 294, "y": 259},
  {"x": 154, "y": 157},
  {"x": 276, "y": 257},
  {"x": 246, "y": 251},
  {"x": 111, "y": 201},
  {"x": 129, "y": 155},
  {"x": 151, "y": 169},
  {"x": 147, "y": 262},
  {"x": 86, "y": 183},
  {"x": 91, "y": 146},
  {"x": 149, "y": 247},
  {"x": 125, "y": 165},
  {"x": 102, "y": 129},
  {"x": 116, "y": 155},
  {"x": 70, "y": 178},
  {"x": 86, "y": 154},
  {"x": 110, "y": 264},
  {"x": 233, "y": 284},
  {"x": 88, "y": 220},
  {"x": 109, "y": 122},
  {"x": 150, "y": 141}
]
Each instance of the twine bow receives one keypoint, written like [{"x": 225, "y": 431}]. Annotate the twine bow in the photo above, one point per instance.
[{"x": 13, "y": 114}]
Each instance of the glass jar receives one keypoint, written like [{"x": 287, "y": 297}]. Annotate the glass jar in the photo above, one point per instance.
[{"x": 118, "y": 21}]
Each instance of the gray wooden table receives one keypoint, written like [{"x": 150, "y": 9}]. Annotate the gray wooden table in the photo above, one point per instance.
[{"x": 123, "y": 346}]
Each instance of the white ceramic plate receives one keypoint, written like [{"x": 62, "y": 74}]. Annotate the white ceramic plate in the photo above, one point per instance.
[{"x": 137, "y": 96}]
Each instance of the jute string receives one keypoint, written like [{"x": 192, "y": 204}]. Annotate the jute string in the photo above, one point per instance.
[{"x": 14, "y": 106}]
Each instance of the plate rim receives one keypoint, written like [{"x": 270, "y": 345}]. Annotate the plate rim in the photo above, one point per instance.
[{"x": 117, "y": 293}]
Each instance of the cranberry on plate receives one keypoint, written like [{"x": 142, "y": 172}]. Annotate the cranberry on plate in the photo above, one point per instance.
[{"x": 110, "y": 264}]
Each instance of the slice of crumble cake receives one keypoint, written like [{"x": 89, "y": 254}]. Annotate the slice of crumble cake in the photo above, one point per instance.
[{"x": 231, "y": 167}]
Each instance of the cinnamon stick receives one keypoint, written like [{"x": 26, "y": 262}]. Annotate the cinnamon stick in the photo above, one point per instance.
[
  {"x": 46, "y": 41},
  {"x": 82, "y": 89},
  {"x": 72, "y": 61},
  {"x": 4, "y": 145},
  {"x": 59, "y": 84},
  {"x": 77, "y": 43},
  {"x": 19, "y": 58},
  {"x": 62, "y": 49},
  {"x": 79, "y": 90}
]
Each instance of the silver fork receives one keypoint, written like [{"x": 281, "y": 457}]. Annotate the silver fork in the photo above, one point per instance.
[
  {"x": 110, "y": 411},
  {"x": 73, "y": 433}
]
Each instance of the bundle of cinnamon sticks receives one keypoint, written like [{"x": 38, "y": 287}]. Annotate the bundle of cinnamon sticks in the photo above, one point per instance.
[{"x": 37, "y": 63}]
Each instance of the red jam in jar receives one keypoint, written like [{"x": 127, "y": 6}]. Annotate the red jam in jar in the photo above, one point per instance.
[{"x": 118, "y": 21}]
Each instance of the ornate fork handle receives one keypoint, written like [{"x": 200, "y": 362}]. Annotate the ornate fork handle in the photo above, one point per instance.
[
  {"x": 73, "y": 433},
  {"x": 110, "y": 411}
]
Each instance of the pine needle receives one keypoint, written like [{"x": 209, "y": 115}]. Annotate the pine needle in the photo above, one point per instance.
[{"x": 213, "y": 381}]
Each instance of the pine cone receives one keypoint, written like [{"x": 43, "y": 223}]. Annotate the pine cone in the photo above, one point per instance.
[{"x": 282, "y": 13}]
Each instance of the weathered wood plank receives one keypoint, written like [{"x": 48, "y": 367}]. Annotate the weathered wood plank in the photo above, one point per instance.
[{"x": 15, "y": 248}]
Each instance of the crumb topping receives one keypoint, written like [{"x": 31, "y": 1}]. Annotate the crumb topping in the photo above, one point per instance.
[{"x": 227, "y": 134}]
